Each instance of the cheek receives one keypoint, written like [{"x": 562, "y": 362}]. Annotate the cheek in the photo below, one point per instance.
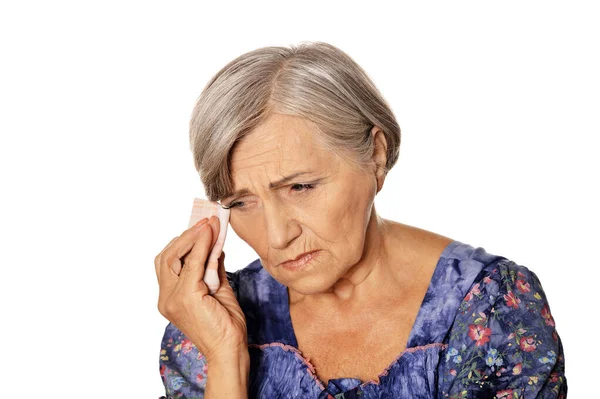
[
  {"x": 353, "y": 208},
  {"x": 248, "y": 233},
  {"x": 344, "y": 219}
]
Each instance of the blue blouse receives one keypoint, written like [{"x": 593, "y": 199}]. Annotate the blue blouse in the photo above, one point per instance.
[{"x": 484, "y": 330}]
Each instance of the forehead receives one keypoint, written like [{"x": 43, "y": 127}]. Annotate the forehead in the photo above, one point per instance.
[{"x": 283, "y": 144}]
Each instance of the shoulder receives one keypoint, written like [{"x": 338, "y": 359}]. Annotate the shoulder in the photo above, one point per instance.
[
  {"x": 512, "y": 294},
  {"x": 504, "y": 339},
  {"x": 243, "y": 279},
  {"x": 459, "y": 267}
]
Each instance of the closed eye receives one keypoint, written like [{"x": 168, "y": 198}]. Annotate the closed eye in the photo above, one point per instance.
[
  {"x": 302, "y": 187},
  {"x": 298, "y": 187},
  {"x": 232, "y": 205}
]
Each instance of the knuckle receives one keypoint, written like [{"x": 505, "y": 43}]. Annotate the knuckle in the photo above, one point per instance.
[
  {"x": 170, "y": 308},
  {"x": 169, "y": 258},
  {"x": 166, "y": 249}
]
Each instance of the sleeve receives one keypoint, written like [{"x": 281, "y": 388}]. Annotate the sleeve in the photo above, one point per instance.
[
  {"x": 503, "y": 342},
  {"x": 183, "y": 369}
]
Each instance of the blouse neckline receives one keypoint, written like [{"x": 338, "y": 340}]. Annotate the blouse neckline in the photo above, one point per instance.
[{"x": 346, "y": 383}]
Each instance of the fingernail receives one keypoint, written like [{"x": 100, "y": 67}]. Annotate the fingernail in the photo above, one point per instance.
[{"x": 201, "y": 222}]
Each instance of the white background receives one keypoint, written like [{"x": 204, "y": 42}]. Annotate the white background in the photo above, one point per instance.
[{"x": 498, "y": 105}]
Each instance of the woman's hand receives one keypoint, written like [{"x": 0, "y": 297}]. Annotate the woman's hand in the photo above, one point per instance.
[{"x": 215, "y": 324}]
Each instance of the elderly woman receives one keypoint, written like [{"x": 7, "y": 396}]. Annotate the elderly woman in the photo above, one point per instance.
[{"x": 341, "y": 303}]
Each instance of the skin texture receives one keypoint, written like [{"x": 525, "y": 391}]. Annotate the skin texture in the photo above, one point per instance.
[
  {"x": 332, "y": 217},
  {"x": 367, "y": 268}
]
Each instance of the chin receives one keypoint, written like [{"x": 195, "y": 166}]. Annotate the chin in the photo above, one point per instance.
[{"x": 313, "y": 284}]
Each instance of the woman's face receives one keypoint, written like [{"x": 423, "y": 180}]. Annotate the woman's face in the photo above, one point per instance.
[{"x": 324, "y": 204}]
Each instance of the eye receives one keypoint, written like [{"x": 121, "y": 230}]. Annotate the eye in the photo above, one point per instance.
[
  {"x": 302, "y": 187},
  {"x": 298, "y": 187},
  {"x": 233, "y": 205}
]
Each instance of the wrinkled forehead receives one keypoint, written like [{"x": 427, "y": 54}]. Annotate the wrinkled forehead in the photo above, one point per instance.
[{"x": 282, "y": 145}]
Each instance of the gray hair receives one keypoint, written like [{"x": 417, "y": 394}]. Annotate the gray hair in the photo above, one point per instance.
[{"x": 313, "y": 80}]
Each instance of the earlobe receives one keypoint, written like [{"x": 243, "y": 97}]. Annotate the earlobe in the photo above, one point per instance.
[
  {"x": 380, "y": 180},
  {"x": 379, "y": 155}
]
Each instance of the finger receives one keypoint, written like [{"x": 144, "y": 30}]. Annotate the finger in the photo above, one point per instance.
[
  {"x": 181, "y": 248},
  {"x": 170, "y": 266},
  {"x": 158, "y": 257},
  {"x": 190, "y": 278},
  {"x": 192, "y": 273}
]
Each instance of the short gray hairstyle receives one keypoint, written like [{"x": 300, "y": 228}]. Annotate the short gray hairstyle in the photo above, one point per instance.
[{"x": 313, "y": 80}]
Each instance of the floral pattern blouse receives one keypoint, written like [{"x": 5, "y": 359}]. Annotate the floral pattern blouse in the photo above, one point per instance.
[{"x": 484, "y": 330}]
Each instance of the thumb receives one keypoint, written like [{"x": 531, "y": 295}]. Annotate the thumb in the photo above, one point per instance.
[
  {"x": 221, "y": 269},
  {"x": 225, "y": 284}
]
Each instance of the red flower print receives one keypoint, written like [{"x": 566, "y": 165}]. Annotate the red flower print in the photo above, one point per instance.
[
  {"x": 527, "y": 344},
  {"x": 162, "y": 370},
  {"x": 187, "y": 345},
  {"x": 512, "y": 300},
  {"x": 523, "y": 286},
  {"x": 479, "y": 334},
  {"x": 517, "y": 369},
  {"x": 487, "y": 279},
  {"x": 453, "y": 372},
  {"x": 547, "y": 316},
  {"x": 199, "y": 377},
  {"x": 505, "y": 393},
  {"x": 474, "y": 291}
]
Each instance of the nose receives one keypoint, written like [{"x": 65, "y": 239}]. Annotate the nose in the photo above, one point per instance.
[{"x": 281, "y": 228}]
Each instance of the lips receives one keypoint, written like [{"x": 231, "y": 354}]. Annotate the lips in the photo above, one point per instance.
[{"x": 302, "y": 255}]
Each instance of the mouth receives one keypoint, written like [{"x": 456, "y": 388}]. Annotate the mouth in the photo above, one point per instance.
[{"x": 300, "y": 260}]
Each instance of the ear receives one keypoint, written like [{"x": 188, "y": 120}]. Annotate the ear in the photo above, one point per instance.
[{"x": 379, "y": 155}]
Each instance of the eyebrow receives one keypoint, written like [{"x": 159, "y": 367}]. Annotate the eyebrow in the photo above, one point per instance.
[{"x": 272, "y": 185}]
